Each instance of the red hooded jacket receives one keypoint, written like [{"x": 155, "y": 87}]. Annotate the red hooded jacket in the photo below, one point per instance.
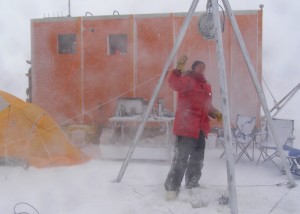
[{"x": 193, "y": 104}]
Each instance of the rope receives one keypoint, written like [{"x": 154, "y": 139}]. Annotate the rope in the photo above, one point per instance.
[
  {"x": 275, "y": 205},
  {"x": 84, "y": 112},
  {"x": 255, "y": 185},
  {"x": 25, "y": 212},
  {"x": 265, "y": 185}
]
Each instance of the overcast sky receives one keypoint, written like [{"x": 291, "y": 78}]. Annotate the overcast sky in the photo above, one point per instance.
[{"x": 281, "y": 37}]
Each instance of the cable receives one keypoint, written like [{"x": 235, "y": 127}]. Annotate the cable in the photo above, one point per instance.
[
  {"x": 27, "y": 205},
  {"x": 79, "y": 115},
  {"x": 223, "y": 21},
  {"x": 269, "y": 90}
]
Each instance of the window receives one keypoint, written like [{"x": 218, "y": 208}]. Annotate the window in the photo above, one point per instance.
[
  {"x": 117, "y": 44},
  {"x": 67, "y": 43}
]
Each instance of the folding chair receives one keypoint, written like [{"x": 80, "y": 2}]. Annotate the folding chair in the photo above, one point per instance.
[
  {"x": 244, "y": 136},
  {"x": 293, "y": 156},
  {"x": 284, "y": 132},
  {"x": 220, "y": 139}
]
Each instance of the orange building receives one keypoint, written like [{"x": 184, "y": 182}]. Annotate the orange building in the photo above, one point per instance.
[{"x": 81, "y": 65}]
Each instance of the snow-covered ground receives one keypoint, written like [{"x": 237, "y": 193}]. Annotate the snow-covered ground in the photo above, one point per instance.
[{"x": 90, "y": 188}]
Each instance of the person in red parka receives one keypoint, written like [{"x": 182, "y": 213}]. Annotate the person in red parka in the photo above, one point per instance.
[{"x": 191, "y": 125}]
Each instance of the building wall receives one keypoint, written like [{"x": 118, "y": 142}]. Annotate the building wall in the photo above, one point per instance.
[{"x": 82, "y": 87}]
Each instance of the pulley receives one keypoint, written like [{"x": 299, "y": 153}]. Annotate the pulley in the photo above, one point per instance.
[{"x": 206, "y": 22}]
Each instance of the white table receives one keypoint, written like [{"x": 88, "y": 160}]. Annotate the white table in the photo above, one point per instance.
[{"x": 164, "y": 122}]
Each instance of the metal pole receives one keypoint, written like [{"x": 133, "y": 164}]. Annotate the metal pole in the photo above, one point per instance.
[
  {"x": 225, "y": 109},
  {"x": 157, "y": 88},
  {"x": 258, "y": 90},
  {"x": 285, "y": 100}
]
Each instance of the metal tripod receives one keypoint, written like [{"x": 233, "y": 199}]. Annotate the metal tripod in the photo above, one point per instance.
[{"x": 224, "y": 93}]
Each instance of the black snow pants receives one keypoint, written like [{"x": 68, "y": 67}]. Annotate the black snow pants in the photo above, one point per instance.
[{"x": 187, "y": 161}]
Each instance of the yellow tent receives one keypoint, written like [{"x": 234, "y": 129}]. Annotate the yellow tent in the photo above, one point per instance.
[{"x": 28, "y": 134}]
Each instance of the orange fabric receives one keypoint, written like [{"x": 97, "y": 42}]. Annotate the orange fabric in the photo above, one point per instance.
[{"x": 29, "y": 133}]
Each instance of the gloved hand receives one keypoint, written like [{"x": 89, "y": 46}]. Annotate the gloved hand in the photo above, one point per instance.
[
  {"x": 181, "y": 62},
  {"x": 219, "y": 116}
]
